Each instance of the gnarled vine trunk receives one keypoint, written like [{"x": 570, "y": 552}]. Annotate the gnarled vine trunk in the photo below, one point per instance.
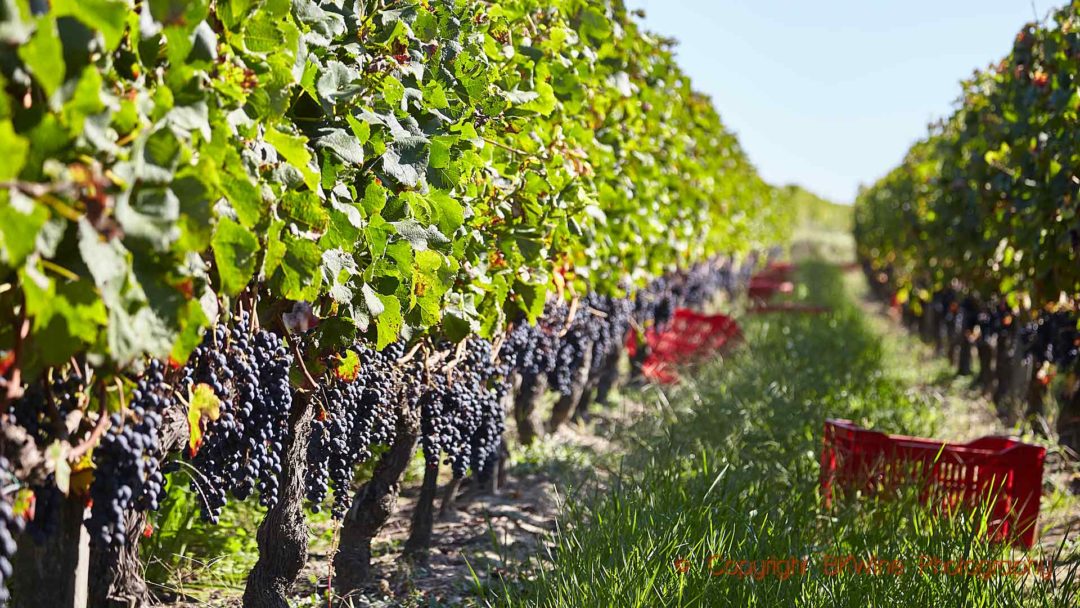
[
  {"x": 1005, "y": 369},
  {"x": 283, "y": 534},
  {"x": 423, "y": 520},
  {"x": 567, "y": 404},
  {"x": 609, "y": 375},
  {"x": 985, "y": 349},
  {"x": 48, "y": 574},
  {"x": 529, "y": 426},
  {"x": 964, "y": 359},
  {"x": 1035, "y": 412},
  {"x": 372, "y": 506},
  {"x": 116, "y": 573}
]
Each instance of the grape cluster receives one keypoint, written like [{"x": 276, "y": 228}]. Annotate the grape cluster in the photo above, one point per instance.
[
  {"x": 127, "y": 461},
  {"x": 30, "y": 411},
  {"x": 704, "y": 280},
  {"x": 571, "y": 356},
  {"x": 243, "y": 448},
  {"x": 530, "y": 349},
  {"x": 611, "y": 326},
  {"x": 462, "y": 415},
  {"x": 358, "y": 414},
  {"x": 47, "y": 502},
  {"x": 10, "y": 526},
  {"x": 656, "y": 302},
  {"x": 1053, "y": 338}
]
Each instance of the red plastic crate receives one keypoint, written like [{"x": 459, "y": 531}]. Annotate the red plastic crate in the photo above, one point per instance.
[
  {"x": 764, "y": 287},
  {"x": 1003, "y": 471},
  {"x": 689, "y": 335}
]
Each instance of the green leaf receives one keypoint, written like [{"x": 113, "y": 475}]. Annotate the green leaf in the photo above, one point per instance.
[
  {"x": 306, "y": 210},
  {"x": 393, "y": 91},
  {"x": 448, "y": 211},
  {"x": 418, "y": 236},
  {"x": 435, "y": 95},
  {"x": 338, "y": 270},
  {"x": 150, "y": 214},
  {"x": 56, "y": 454},
  {"x": 191, "y": 321},
  {"x": 298, "y": 277},
  {"x": 106, "y": 16},
  {"x": 544, "y": 104},
  {"x": 243, "y": 195},
  {"x": 86, "y": 100},
  {"x": 594, "y": 23},
  {"x": 21, "y": 219},
  {"x": 67, "y": 317},
  {"x": 338, "y": 82},
  {"x": 361, "y": 129},
  {"x": 275, "y": 249},
  {"x": 235, "y": 249},
  {"x": 406, "y": 160},
  {"x": 374, "y": 198},
  {"x": 294, "y": 149},
  {"x": 44, "y": 55},
  {"x": 13, "y": 150},
  {"x": 342, "y": 144},
  {"x": 460, "y": 319},
  {"x": 388, "y": 322},
  {"x": 378, "y": 233},
  {"x": 531, "y": 298}
]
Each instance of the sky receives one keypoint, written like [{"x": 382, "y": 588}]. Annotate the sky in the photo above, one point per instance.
[{"x": 829, "y": 94}]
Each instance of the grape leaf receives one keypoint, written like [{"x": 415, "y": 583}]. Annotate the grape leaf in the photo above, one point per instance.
[
  {"x": 203, "y": 404},
  {"x": 44, "y": 55},
  {"x": 294, "y": 149},
  {"x": 406, "y": 160},
  {"x": 235, "y": 249}
]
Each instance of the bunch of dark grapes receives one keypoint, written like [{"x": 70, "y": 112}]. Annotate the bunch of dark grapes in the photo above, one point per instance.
[
  {"x": 704, "y": 280},
  {"x": 1001, "y": 319},
  {"x": 462, "y": 415},
  {"x": 968, "y": 315},
  {"x": 358, "y": 414},
  {"x": 1053, "y": 338},
  {"x": 656, "y": 303},
  {"x": 243, "y": 448},
  {"x": 36, "y": 416},
  {"x": 530, "y": 350},
  {"x": 46, "y": 519},
  {"x": 611, "y": 326},
  {"x": 576, "y": 336},
  {"x": 127, "y": 474},
  {"x": 31, "y": 411},
  {"x": 10, "y": 526}
]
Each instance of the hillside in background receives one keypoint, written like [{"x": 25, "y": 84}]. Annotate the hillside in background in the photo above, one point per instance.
[{"x": 815, "y": 213}]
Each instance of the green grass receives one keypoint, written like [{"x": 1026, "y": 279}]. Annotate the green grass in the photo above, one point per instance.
[{"x": 727, "y": 466}]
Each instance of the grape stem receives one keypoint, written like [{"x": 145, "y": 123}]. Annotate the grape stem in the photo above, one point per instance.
[
  {"x": 312, "y": 385},
  {"x": 102, "y": 425},
  {"x": 409, "y": 355},
  {"x": 54, "y": 414},
  {"x": 569, "y": 317}
]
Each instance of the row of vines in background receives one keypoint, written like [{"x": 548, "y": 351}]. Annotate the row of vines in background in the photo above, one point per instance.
[
  {"x": 977, "y": 232},
  {"x": 264, "y": 240}
]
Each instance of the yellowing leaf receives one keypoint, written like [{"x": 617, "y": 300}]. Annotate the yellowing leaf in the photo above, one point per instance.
[{"x": 203, "y": 404}]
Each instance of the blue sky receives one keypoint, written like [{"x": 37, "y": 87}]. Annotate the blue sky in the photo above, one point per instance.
[{"x": 831, "y": 93}]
